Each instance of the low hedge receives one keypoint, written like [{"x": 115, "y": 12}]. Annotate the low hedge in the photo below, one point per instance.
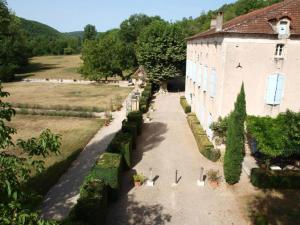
[
  {"x": 122, "y": 144},
  {"x": 205, "y": 147},
  {"x": 137, "y": 118},
  {"x": 91, "y": 207},
  {"x": 275, "y": 179},
  {"x": 186, "y": 107},
  {"x": 131, "y": 128},
  {"x": 143, "y": 104},
  {"x": 108, "y": 168}
]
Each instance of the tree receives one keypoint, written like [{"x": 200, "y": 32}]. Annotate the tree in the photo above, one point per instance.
[
  {"x": 235, "y": 142},
  {"x": 13, "y": 50},
  {"x": 90, "y": 32},
  {"x": 104, "y": 57},
  {"x": 16, "y": 169},
  {"x": 161, "y": 50}
]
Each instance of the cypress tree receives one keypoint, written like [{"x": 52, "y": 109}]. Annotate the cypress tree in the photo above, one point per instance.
[{"x": 235, "y": 145}]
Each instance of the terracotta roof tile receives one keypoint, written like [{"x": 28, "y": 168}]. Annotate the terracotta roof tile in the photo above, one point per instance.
[{"x": 258, "y": 21}]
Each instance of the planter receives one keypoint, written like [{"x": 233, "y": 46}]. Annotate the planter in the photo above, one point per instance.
[
  {"x": 137, "y": 183},
  {"x": 214, "y": 184}
]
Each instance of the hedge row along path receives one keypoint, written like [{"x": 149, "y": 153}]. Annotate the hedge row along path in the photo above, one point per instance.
[
  {"x": 63, "y": 196},
  {"x": 167, "y": 144}
]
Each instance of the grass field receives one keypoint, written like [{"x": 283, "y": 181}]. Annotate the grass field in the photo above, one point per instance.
[
  {"x": 77, "y": 97},
  {"x": 53, "y": 67},
  {"x": 76, "y": 133}
]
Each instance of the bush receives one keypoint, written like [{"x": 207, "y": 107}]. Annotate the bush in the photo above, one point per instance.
[
  {"x": 131, "y": 128},
  {"x": 275, "y": 179},
  {"x": 186, "y": 107},
  {"x": 205, "y": 147},
  {"x": 91, "y": 207},
  {"x": 137, "y": 118},
  {"x": 143, "y": 103},
  {"x": 122, "y": 144},
  {"x": 108, "y": 169}
]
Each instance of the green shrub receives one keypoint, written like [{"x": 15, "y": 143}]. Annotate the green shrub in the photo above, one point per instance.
[
  {"x": 108, "y": 169},
  {"x": 143, "y": 103},
  {"x": 186, "y": 107},
  {"x": 205, "y": 147},
  {"x": 275, "y": 179},
  {"x": 122, "y": 144},
  {"x": 91, "y": 207},
  {"x": 137, "y": 118},
  {"x": 131, "y": 128}
]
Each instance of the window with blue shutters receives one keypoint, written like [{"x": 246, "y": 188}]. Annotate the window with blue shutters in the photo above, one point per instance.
[
  {"x": 204, "y": 80},
  {"x": 213, "y": 83},
  {"x": 275, "y": 89}
]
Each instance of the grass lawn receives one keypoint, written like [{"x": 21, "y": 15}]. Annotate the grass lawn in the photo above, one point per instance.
[
  {"x": 77, "y": 97},
  {"x": 53, "y": 67},
  {"x": 76, "y": 133}
]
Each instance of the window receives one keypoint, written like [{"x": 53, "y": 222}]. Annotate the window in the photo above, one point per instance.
[
  {"x": 213, "y": 83},
  {"x": 199, "y": 74},
  {"x": 283, "y": 28},
  {"x": 279, "y": 50},
  {"x": 204, "y": 78},
  {"x": 275, "y": 89}
]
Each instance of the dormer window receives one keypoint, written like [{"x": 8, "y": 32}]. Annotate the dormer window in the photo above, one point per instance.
[
  {"x": 283, "y": 28},
  {"x": 279, "y": 51}
]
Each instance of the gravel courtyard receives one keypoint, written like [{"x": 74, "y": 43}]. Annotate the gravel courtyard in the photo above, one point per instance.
[{"x": 166, "y": 145}]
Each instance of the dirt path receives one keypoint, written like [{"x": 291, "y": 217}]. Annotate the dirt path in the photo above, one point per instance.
[
  {"x": 62, "y": 197},
  {"x": 166, "y": 145}
]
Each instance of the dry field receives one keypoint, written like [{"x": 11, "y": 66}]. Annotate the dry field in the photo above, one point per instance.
[
  {"x": 77, "y": 97},
  {"x": 75, "y": 133},
  {"x": 53, "y": 67}
]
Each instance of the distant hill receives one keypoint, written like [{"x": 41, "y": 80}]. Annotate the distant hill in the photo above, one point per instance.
[
  {"x": 34, "y": 28},
  {"x": 74, "y": 34}
]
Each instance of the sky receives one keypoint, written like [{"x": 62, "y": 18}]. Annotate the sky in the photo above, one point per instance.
[{"x": 73, "y": 15}]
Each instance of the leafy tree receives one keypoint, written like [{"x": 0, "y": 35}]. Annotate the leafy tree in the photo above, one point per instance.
[
  {"x": 13, "y": 50},
  {"x": 235, "y": 142},
  {"x": 90, "y": 32},
  {"x": 16, "y": 169},
  {"x": 103, "y": 58},
  {"x": 161, "y": 50}
]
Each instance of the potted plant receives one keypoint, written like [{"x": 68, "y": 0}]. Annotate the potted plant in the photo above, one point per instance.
[
  {"x": 214, "y": 178},
  {"x": 138, "y": 179}
]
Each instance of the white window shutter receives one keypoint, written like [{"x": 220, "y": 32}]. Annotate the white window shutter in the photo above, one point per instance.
[
  {"x": 204, "y": 78},
  {"x": 279, "y": 89},
  {"x": 213, "y": 81},
  {"x": 271, "y": 89},
  {"x": 199, "y": 74}
]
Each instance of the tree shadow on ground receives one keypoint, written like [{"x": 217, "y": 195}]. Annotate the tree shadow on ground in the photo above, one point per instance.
[
  {"x": 152, "y": 136},
  {"x": 36, "y": 67},
  {"x": 176, "y": 85},
  {"x": 276, "y": 206},
  {"x": 132, "y": 212}
]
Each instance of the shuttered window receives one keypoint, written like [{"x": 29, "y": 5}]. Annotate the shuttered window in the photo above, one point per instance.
[
  {"x": 199, "y": 74},
  {"x": 204, "y": 81},
  {"x": 275, "y": 89},
  {"x": 213, "y": 83}
]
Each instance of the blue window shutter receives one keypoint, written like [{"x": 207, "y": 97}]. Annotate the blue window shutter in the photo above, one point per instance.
[
  {"x": 271, "y": 89},
  {"x": 279, "y": 89},
  {"x": 213, "y": 80},
  {"x": 205, "y": 78}
]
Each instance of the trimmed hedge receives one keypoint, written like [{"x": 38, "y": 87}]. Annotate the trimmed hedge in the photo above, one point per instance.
[
  {"x": 137, "y": 118},
  {"x": 205, "y": 147},
  {"x": 131, "y": 128},
  {"x": 91, "y": 207},
  {"x": 275, "y": 179},
  {"x": 186, "y": 107},
  {"x": 108, "y": 168},
  {"x": 146, "y": 98},
  {"x": 122, "y": 144},
  {"x": 143, "y": 103}
]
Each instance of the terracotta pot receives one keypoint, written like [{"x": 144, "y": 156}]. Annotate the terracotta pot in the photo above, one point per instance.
[
  {"x": 137, "y": 183},
  {"x": 214, "y": 184}
]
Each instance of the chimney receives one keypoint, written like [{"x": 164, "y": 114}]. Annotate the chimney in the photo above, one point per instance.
[
  {"x": 219, "y": 22},
  {"x": 213, "y": 23}
]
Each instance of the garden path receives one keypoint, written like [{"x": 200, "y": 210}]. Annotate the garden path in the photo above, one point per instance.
[
  {"x": 167, "y": 144},
  {"x": 63, "y": 196}
]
